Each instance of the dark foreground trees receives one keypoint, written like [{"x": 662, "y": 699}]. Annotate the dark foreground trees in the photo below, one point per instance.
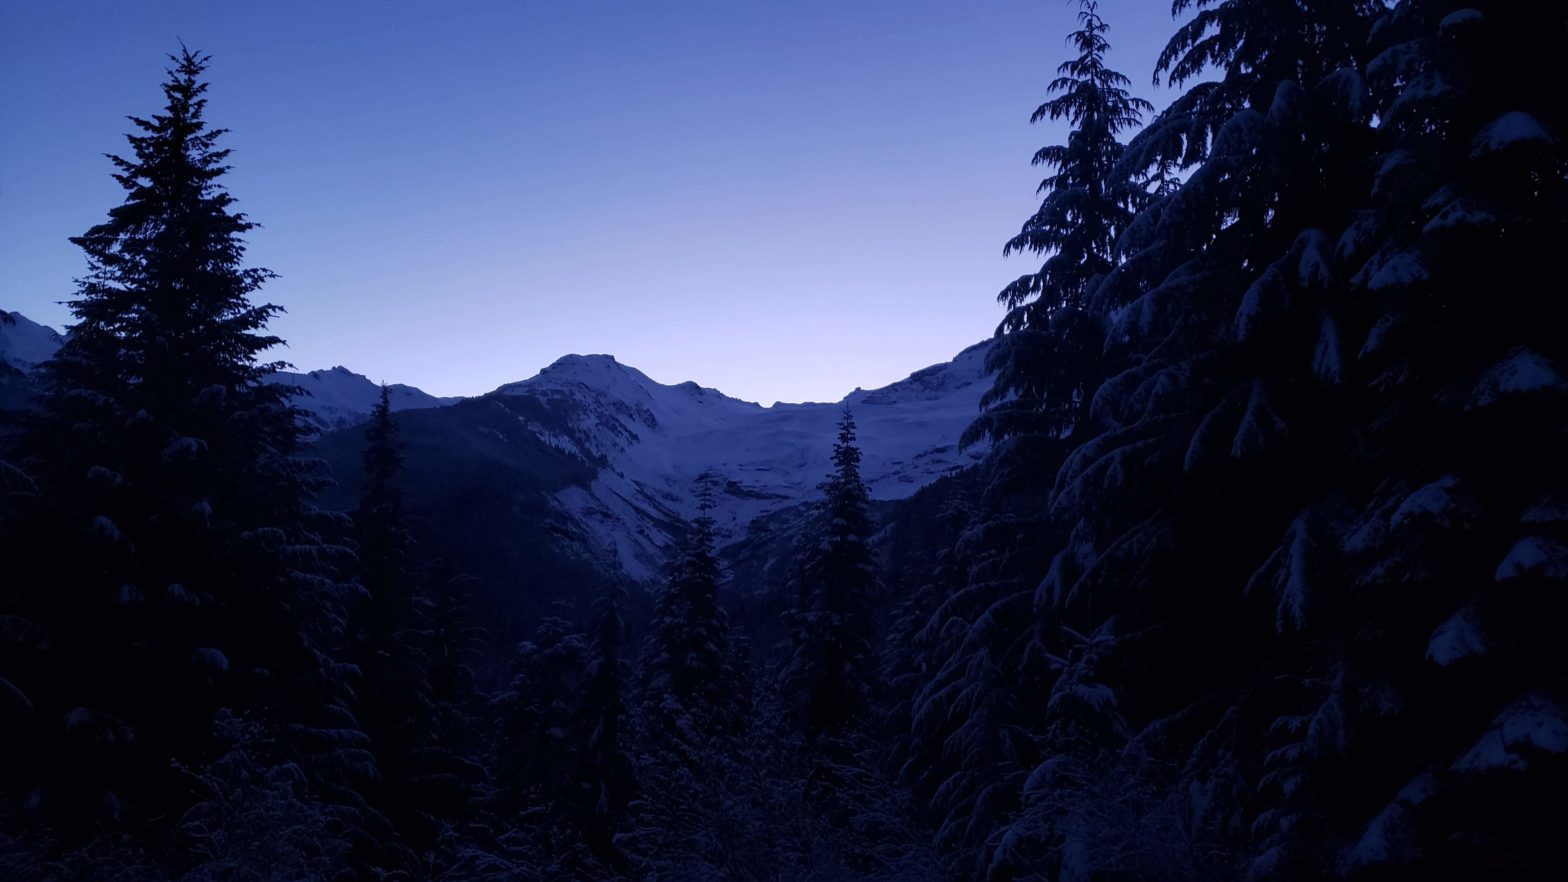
[
  {"x": 1291, "y": 627},
  {"x": 1261, "y": 577}
]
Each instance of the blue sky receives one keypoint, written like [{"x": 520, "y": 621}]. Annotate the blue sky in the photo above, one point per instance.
[{"x": 783, "y": 200}]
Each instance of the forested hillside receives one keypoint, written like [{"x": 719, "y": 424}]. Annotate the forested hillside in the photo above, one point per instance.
[{"x": 1252, "y": 565}]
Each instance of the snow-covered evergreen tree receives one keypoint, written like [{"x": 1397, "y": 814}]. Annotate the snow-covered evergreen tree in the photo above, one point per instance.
[
  {"x": 1293, "y": 476},
  {"x": 1457, "y": 710},
  {"x": 688, "y": 664},
  {"x": 973, "y": 721},
  {"x": 829, "y": 678},
  {"x": 691, "y": 714},
  {"x": 534, "y": 768}
]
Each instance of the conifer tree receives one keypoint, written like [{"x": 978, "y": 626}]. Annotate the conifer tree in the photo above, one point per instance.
[
  {"x": 1453, "y": 545},
  {"x": 605, "y": 773},
  {"x": 688, "y": 664},
  {"x": 535, "y": 770},
  {"x": 1291, "y": 482},
  {"x": 691, "y": 716},
  {"x": 177, "y": 560},
  {"x": 830, "y": 672},
  {"x": 1047, "y": 348},
  {"x": 381, "y": 522},
  {"x": 452, "y": 647},
  {"x": 975, "y": 728},
  {"x": 422, "y": 779},
  {"x": 1213, "y": 420}
]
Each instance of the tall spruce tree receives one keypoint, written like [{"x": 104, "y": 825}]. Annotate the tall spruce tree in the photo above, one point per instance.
[
  {"x": 175, "y": 559},
  {"x": 605, "y": 769},
  {"x": 691, "y": 715},
  {"x": 1213, "y": 427},
  {"x": 1046, "y": 354},
  {"x": 381, "y": 522},
  {"x": 975, "y": 733},
  {"x": 688, "y": 665},
  {"x": 451, "y": 648},
  {"x": 394, "y": 703},
  {"x": 829, "y": 678},
  {"x": 534, "y": 767}
]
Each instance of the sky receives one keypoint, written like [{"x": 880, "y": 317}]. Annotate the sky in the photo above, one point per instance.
[{"x": 782, "y": 200}]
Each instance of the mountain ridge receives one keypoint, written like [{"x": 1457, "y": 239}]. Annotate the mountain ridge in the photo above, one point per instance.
[
  {"x": 648, "y": 442},
  {"x": 337, "y": 397},
  {"x": 641, "y": 443}
]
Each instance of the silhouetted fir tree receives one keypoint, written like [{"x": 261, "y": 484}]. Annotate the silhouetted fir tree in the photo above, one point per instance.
[
  {"x": 564, "y": 773},
  {"x": 392, "y": 690},
  {"x": 381, "y": 522},
  {"x": 974, "y": 719},
  {"x": 924, "y": 582},
  {"x": 829, "y": 685},
  {"x": 1046, "y": 355},
  {"x": 174, "y": 556},
  {"x": 535, "y": 769},
  {"x": 442, "y": 779},
  {"x": 957, "y": 729},
  {"x": 1212, "y": 423},
  {"x": 605, "y": 777},
  {"x": 829, "y": 678},
  {"x": 402, "y": 642},
  {"x": 690, "y": 718},
  {"x": 970, "y": 746},
  {"x": 452, "y": 646},
  {"x": 687, "y": 658}
]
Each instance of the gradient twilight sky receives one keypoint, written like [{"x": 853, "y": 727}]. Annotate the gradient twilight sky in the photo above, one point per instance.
[{"x": 783, "y": 200}]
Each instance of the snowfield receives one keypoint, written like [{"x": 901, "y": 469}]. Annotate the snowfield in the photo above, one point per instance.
[
  {"x": 650, "y": 441},
  {"x": 338, "y": 398}
]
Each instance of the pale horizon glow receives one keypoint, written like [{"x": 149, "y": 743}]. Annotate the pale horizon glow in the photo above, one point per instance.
[{"x": 780, "y": 201}]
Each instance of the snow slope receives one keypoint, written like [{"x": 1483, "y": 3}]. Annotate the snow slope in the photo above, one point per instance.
[
  {"x": 24, "y": 344},
  {"x": 649, "y": 441},
  {"x": 338, "y": 397}
]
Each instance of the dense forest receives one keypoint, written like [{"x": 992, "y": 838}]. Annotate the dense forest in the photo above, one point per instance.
[{"x": 1262, "y": 575}]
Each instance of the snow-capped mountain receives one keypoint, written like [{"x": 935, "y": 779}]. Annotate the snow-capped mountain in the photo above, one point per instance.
[
  {"x": 614, "y": 453},
  {"x": 25, "y": 344},
  {"x": 334, "y": 398},
  {"x": 338, "y": 397},
  {"x": 649, "y": 441}
]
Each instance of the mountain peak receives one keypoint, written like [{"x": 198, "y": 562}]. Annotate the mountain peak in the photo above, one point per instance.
[
  {"x": 600, "y": 373},
  {"x": 647, "y": 441},
  {"x": 573, "y": 359},
  {"x": 336, "y": 370}
]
